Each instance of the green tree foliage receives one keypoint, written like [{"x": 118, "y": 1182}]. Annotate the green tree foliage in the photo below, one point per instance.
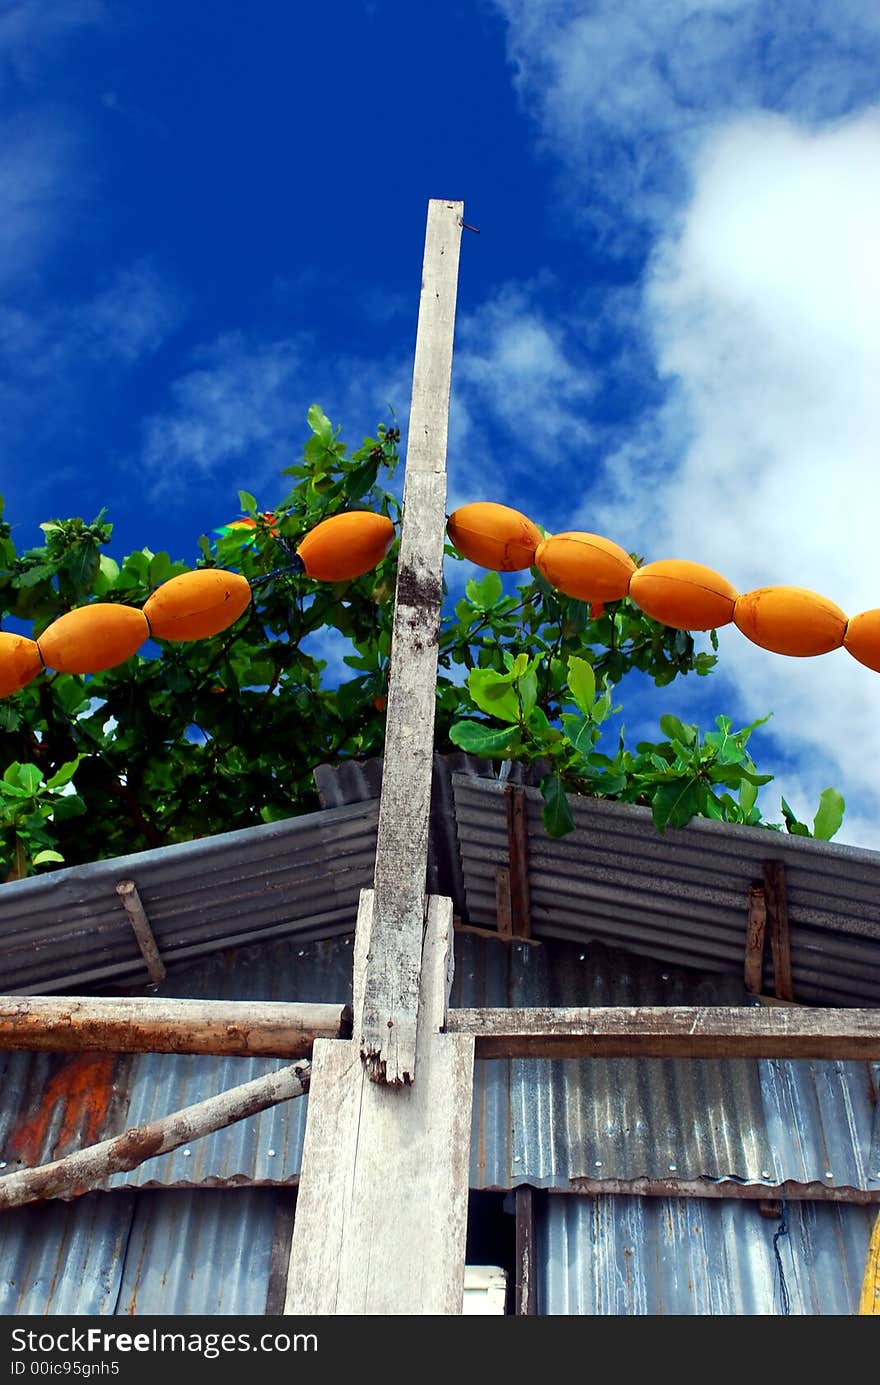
[{"x": 186, "y": 739}]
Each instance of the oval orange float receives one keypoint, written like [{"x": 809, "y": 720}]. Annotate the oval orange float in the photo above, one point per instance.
[
  {"x": 585, "y": 566},
  {"x": 790, "y": 620},
  {"x": 19, "y": 662},
  {"x": 494, "y": 536},
  {"x": 683, "y": 595},
  {"x": 196, "y": 605},
  {"x": 93, "y": 638},
  {"x": 346, "y": 545},
  {"x": 862, "y": 639}
]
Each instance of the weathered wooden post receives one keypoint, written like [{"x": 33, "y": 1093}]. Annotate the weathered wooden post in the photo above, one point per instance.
[{"x": 381, "y": 1214}]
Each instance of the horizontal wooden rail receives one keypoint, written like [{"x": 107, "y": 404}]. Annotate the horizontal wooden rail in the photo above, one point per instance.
[
  {"x": 272, "y": 1029},
  {"x": 671, "y": 1032}
]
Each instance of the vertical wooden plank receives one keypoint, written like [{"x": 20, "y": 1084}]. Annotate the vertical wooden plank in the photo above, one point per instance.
[
  {"x": 777, "y": 914},
  {"x": 526, "y": 1287},
  {"x": 381, "y": 1217},
  {"x": 518, "y": 851},
  {"x": 756, "y": 928},
  {"x": 503, "y": 910},
  {"x": 389, "y": 1021}
]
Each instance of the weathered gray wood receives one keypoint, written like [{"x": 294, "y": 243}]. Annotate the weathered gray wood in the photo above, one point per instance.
[
  {"x": 381, "y": 1217},
  {"x": 526, "y": 1285},
  {"x": 80, "y": 1172},
  {"x": 719, "y": 1188},
  {"x": 146, "y": 940},
  {"x": 135, "y": 1024},
  {"x": 671, "y": 1032},
  {"x": 388, "y": 1028},
  {"x": 756, "y": 927},
  {"x": 777, "y": 914}
]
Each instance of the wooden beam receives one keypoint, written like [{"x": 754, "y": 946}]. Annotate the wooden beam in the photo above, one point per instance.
[
  {"x": 526, "y": 1268},
  {"x": 756, "y": 928},
  {"x": 725, "y": 1188},
  {"x": 146, "y": 939},
  {"x": 124, "y": 1024},
  {"x": 388, "y": 1031},
  {"x": 518, "y": 852},
  {"x": 381, "y": 1216},
  {"x": 81, "y": 1172},
  {"x": 671, "y": 1032},
  {"x": 777, "y": 913}
]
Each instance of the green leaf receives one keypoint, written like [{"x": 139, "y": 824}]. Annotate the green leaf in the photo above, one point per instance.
[
  {"x": 748, "y": 794},
  {"x": 320, "y": 424},
  {"x": 527, "y": 687},
  {"x": 676, "y": 730},
  {"x": 829, "y": 815},
  {"x": 582, "y": 683},
  {"x": 479, "y": 739},
  {"x": 247, "y": 502},
  {"x": 30, "y": 778},
  {"x": 555, "y": 814},
  {"x": 494, "y": 694},
  {"x": 674, "y": 804},
  {"x": 795, "y": 827},
  {"x": 580, "y": 732},
  {"x": 43, "y": 857},
  {"x": 64, "y": 774},
  {"x": 485, "y": 594}
]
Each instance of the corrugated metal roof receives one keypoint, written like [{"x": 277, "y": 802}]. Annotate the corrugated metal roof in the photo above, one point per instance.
[
  {"x": 631, "y": 1256},
  {"x": 67, "y": 929},
  {"x": 681, "y": 898},
  {"x": 545, "y": 1122}
]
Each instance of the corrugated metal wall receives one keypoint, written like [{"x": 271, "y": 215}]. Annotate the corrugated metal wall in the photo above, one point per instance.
[
  {"x": 631, "y": 1256},
  {"x": 544, "y": 1122}
]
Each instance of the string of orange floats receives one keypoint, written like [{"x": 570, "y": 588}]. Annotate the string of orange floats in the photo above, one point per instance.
[{"x": 678, "y": 593}]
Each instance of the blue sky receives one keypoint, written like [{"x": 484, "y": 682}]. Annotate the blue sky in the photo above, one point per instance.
[{"x": 668, "y": 328}]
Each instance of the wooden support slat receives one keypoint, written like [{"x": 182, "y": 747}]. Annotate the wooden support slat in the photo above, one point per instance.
[
  {"x": 381, "y": 1217},
  {"x": 725, "y": 1188},
  {"x": 756, "y": 928},
  {"x": 777, "y": 916},
  {"x": 518, "y": 851},
  {"x": 503, "y": 911},
  {"x": 136, "y": 1024},
  {"x": 671, "y": 1032},
  {"x": 388, "y": 1031},
  {"x": 146, "y": 939},
  {"x": 526, "y": 1269}
]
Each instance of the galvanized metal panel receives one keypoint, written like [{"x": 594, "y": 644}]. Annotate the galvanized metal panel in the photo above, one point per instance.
[
  {"x": 630, "y": 1256},
  {"x": 68, "y": 929},
  {"x": 199, "y": 1252},
  {"x": 681, "y": 897},
  {"x": 549, "y": 1122},
  {"x": 64, "y": 1257}
]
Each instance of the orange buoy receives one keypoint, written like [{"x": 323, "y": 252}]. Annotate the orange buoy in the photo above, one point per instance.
[
  {"x": 684, "y": 595},
  {"x": 346, "y": 545},
  {"x": 494, "y": 536},
  {"x": 93, "y": 638},
  {"x": 19, "y": 662},
  {"x": 196, "y": 605},
  {"x": 790, "y": 620},
  {"x": 862, "y": 639},
  {"x": 585, "y": 566}
]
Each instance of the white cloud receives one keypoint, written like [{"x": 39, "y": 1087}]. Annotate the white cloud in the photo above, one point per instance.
[
  {"x": 239, "y": 414},
  {"x": 765, "y": 314}
]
